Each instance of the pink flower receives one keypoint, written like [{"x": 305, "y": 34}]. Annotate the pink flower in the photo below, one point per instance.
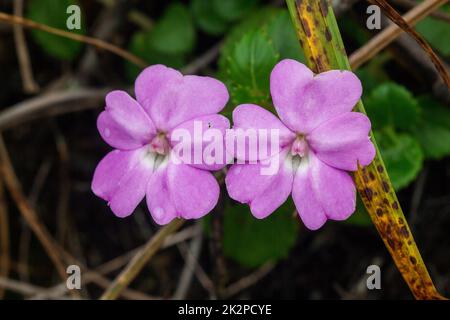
[
  {"x": 140, "y": 131},
  {"x": 320, "y": 138}
]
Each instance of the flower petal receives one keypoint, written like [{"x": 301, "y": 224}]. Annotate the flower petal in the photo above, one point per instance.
[
  {"x": 264, "y": 124},
  {"x": 343, "y": 141},
  {"x": 321, "y": 192},
  {"x": 288, "y": 81},
  {"x": 159, "y": 201},
  {"x": 121, "y": 178},
  {"x": 264, "y": 193},
  {"x": 304, "y": 102},
  {"x": 155, "y": 89},
  {"x": 194, "y": 192},
  {"x": 306, "y": 201},
  {"x": 171, "y": 99},
  {"x": 124, "y": 124},
  {"x": 204, "y": 138}
]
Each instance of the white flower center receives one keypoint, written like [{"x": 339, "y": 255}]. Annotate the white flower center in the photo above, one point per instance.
[{"x": 298, "y": 155}]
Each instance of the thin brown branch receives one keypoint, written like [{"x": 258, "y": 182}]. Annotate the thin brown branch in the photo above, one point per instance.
[
  {"x": 200, "y": 273},
  {"x": 385, "y": 37},
  {"x": 15, "y": 20},
  {"x": 191, "y": 258},
  {"x": 249, "y": 280},
  {"x": 390, "y": 12},
  {"x": 120, "y": 261},
  {"x": 56, "y": 253},
  {"x": 15, "y": 189},
  {"x": 140, "y": 260},
  {"x": 23, "y": 288},
  {"x": 409, "y": 4},
  {"x": 26, "y": 71},
  {"x": 204, "y": 60},
  {"x": 51, "y": 104}
]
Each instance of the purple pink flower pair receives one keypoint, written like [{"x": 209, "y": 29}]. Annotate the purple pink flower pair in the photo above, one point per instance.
[{"x": 320, "y": 140}]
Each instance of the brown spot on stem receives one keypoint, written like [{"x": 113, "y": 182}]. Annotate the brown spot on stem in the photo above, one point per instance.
[
  {"x": 386, "y": 186},
  {"x": 404, "y": 231},
  {"x": 306, "y": 27},
  {"x": 369, "y": 193},
  {"x": 379, "y": 212},
  {"x": 380, "y": 168},
  {"x": 413, "y": 260},
  {"x": 395, "y": 205},
  {"x": 324, "y": 7},
  {"x": 328, "y": 35},
  {"x": 391, "y": 243},
  {"x": 371, "y": 176}
]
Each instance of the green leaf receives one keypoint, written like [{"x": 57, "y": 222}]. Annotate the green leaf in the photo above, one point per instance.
[
  {"x": 392, "y": 105},
  {"x": 251, "y": 50},
  {"x": 174, "y": 33},
  {"x": 436, "y": 32},
  {"x": 248, "y": 69},
  {"x": 402, "y": 156},
  {"x": 231, "y": 10},
  {"x": 281, "y": 33},
  {"x": 140, "y": 46},
  {"x": 53, "y": 13},
  {"x": 255, "y": 21},
  {"x": 253, "y": 242},
  {"x": 433, "y": 131},
  {"x": 168, "y": 42},
  {"x": 207, "y": 18}
]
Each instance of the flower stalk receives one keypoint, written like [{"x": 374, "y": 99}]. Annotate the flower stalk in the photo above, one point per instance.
[{"x": 319, "y": 36}]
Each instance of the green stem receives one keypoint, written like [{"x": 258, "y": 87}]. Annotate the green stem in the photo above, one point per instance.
[{"x": 320, "y": 38}]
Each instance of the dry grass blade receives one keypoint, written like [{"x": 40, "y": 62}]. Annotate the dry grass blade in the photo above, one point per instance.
[
  {"x": 26, "y": 72},
  {"x": 388, "y": 35},
  {"x": 409, "y": 4},
  {"x": 140, "y": 260},
  {"x": 12, "y": 19},
  {"x": 51, "y": 104},
  {"x": 15, "y": 189}
]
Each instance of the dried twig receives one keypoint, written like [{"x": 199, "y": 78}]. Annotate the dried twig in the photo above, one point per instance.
[
  {"x": 118, "y": 262},
  {"x": 30, "y": 216},
  {"x": 105, "y": 27},
  {"x": 25, "y": 234},
  {"x": 193, "y": 252},
  {"x": 140, "y": 260},
  {"x": 385, "y": 37},
  {"x": 409, "y": 4},
  {"x": 26, "y": 71},
  {"x": 12, "y": 19},
  {"x": 20, "y": 287},
  {"x": 200, "y": 273},
  {"x": 53, "y": 103},
  {"x": 249, "y": 280},
  {"x": 204, "y": 60},
  {"x": 409, "y": 54}
]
